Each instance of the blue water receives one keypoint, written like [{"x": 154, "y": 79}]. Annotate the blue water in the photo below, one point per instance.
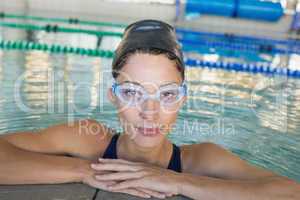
[{"x": 255, "y": 116}]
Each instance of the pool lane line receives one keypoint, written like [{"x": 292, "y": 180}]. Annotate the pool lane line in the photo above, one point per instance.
[
  {"x": 71, "y": 20},
  {"x": 256, "y": 48},
  {"x": 179, "y": 31},
  {"x": 54, "y": 48},
  {"x": 237, "y": 38},
  {"x": 55, "y": 28},
  {"x": 184, "y": 37},
  {"x": 238, "y": 67},
  {"x": 244, "y": 67},
  {"x": 185, "y": 42}
]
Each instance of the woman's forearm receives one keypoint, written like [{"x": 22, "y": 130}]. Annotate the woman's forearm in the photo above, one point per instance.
[
  {"x": 18, "y": 166},
  {"x": 275, "y": 188}
]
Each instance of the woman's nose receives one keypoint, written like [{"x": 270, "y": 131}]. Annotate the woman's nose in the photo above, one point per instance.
[{"x": 150, "y": 109}]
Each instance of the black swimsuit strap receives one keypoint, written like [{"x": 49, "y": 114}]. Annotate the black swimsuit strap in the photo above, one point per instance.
[
  {"x": 174, "y": 164},
  {"x": 111, "y": 150}
]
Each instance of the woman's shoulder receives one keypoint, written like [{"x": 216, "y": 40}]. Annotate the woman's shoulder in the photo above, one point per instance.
[
  {"x": 191, "y": 151},
  {"x": 197, "y": 158},
  {"x": 93, "y": 138},
  {"x": 204, "y": 146},
  {"x": 93, "y": 128}
]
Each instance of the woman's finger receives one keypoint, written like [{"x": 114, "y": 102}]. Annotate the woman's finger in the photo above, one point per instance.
[
  {"x": 169, "y": 194},
  {"x": 126, "y": 184},
  {"x": 115, "y": 167},
  {"x": 134, "y": 192},
  {"x": 121, "y": 176},
  {"x": 102, "y": 184},
  {"x": 121, "y": 161},
  {"x": 108, "y": 160},
  {"x": 152, "y": 193}
]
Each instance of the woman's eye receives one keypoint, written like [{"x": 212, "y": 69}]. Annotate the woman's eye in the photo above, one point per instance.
[
  {"x": 129, "y": 92},
  {"x": 169, "y": 94}
]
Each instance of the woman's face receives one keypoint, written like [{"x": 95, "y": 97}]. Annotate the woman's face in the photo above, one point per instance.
[{"x": 148, "y": 122}]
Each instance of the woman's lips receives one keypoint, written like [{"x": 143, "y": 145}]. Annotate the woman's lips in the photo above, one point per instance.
[{"x": 148, "y": 131}]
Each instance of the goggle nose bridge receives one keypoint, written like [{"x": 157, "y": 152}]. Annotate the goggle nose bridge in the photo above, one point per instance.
[{"x": 154, "y": 96}]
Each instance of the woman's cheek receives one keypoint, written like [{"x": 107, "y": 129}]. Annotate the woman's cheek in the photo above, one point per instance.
[
  {"x": 128, "y": 116},
  {"x": 168, "y": 120}
]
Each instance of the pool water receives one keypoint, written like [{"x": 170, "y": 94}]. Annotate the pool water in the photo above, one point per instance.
[{"x": 255, "y": 116}]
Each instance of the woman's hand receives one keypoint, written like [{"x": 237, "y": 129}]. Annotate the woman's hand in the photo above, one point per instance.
[
  {"x": 90, "y": 180},
  {"x": 128, "y": 175}
]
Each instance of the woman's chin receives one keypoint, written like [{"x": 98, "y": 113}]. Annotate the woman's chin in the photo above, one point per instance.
[{"x": 147, "y": 138}]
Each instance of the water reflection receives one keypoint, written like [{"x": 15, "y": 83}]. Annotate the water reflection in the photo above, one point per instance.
[
  {"x": 83, "y": 79},
  {"x": 269, "y": 98}
]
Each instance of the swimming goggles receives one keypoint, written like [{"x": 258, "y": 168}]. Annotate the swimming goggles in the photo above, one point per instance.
[{"x": 133, "y": 94}]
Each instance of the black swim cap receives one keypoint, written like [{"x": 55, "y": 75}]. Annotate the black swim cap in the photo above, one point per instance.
[{"x": 148, "y": 34}]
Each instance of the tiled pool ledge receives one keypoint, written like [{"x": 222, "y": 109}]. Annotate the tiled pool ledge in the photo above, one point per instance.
[{"x": 62, "y": 192}]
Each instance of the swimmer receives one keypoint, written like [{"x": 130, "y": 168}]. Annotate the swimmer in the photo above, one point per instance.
[{"x": 149, "y": 89}]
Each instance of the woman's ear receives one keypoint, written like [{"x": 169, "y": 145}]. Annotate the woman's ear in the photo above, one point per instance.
[{"x": 111, "y": 97}]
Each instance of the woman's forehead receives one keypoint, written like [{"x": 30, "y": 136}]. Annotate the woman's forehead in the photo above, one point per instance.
[
  {"x": 149, "y": 84},
  {"x": 150, "y": 69}
]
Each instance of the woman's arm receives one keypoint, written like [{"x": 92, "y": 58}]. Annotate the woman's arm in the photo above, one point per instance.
[
  {"x": 143, "y": 175},
  {"x": 210, "y": 172},
  {"x": 39, "y": 158},
  {"x": 275, "y": 188},
  {"x": 31, "y": 158},
  {"x": 24, "y": 167},
  {"x": 219, "y": 174}
]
